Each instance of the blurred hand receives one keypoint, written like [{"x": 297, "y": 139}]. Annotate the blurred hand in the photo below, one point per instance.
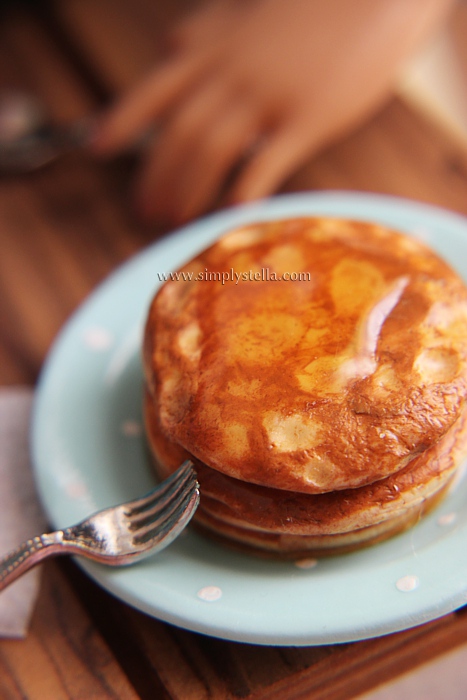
[{"x": 252, "y": 88}]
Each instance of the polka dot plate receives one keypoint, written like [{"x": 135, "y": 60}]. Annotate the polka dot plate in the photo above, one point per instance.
[{"x": 89, "y": 453}]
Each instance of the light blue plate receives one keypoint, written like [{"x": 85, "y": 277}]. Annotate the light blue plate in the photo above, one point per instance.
[{"x": 89, "y": 453}]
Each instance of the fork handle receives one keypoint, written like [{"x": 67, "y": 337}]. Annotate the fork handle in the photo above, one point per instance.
[{"x": 28, "y": 554}]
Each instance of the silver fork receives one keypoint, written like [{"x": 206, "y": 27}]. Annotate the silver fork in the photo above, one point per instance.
[{"x": 116, "y": 536}]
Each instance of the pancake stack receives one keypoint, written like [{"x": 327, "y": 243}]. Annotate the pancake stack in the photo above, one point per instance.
[{"x": 315, "y": 371}]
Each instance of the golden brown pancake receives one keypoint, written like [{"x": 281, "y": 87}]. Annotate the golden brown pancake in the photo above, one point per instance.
[
  {"x": 298, "y": 546},
  {"x": 278, "y": 521},
  {"x": 326, "y": 383}
]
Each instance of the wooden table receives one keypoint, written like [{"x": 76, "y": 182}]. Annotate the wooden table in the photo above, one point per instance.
[{"x": 64, "y": 229}]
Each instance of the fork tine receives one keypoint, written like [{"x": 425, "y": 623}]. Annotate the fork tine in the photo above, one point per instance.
[
  {"x": 163, "y": 535},
  {"x": 171, "y": 521},
  {"x": 167, "y": 511},
  {"x": 146, "y": 502},
  {"x": 139, "y": 517}
]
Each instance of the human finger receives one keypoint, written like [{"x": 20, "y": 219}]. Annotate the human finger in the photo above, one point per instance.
[
  {"x": 158, "y": 182},
  {"x": 279, "y": 153},
  {"x": 137, "y": 111},
  {"x": 214, "y": 156},
  {"x": 204, "y": 24}
]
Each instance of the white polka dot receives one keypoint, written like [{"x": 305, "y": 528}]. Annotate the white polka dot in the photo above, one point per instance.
[
  {"x": 447, "y": 519},
  {"x": 306, "y": 563},
  {"x": 407, "y": 583},
  {"x": 98, "y": 338},
  {"x": 76, "y": 489},
  {"x": 131, "y": 428},
  {"x": 209, "y": 593}
]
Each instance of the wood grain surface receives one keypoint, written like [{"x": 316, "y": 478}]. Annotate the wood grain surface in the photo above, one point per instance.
[
  {"x": 62, "y": 231},
  {"x": 64, "y": 655}
]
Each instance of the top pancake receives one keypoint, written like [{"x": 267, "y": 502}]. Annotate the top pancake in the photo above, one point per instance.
[{"x": 329, "y": 382}]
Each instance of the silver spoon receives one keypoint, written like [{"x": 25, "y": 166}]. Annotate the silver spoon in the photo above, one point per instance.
[{"x": 28, "y": 139}]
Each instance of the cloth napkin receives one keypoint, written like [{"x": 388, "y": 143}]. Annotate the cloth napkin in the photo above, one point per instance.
[{"x": 21, "y": 516}]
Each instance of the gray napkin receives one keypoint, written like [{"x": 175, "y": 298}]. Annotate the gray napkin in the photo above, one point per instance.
[{"x": 21, "y": 516}]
